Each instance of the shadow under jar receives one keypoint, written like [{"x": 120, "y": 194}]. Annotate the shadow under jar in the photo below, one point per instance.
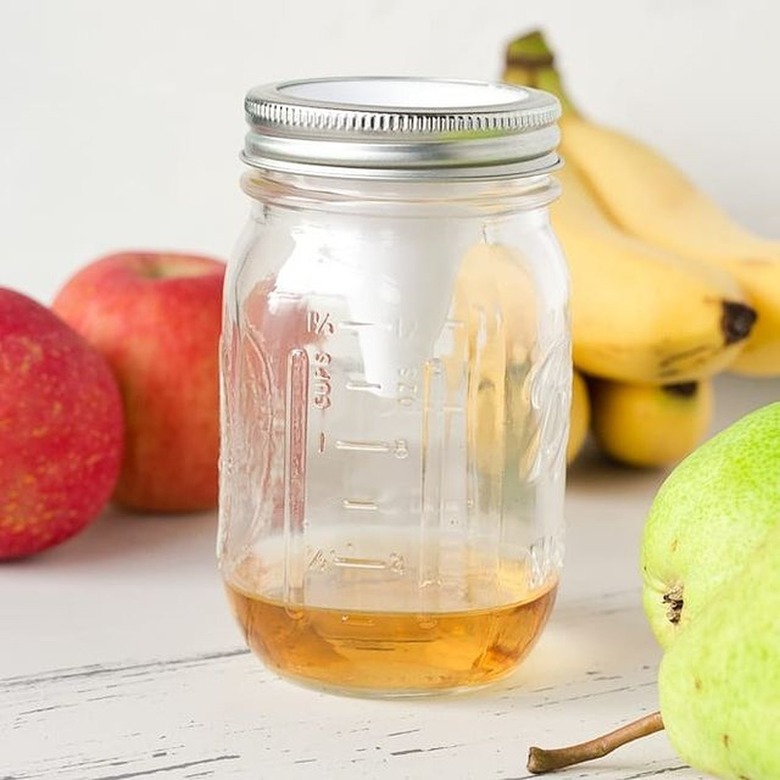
[{"x": 396, "y": 373}]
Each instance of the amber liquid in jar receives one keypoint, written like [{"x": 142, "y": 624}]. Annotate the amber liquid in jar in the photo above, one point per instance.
[{"x": 361, "y": 648}]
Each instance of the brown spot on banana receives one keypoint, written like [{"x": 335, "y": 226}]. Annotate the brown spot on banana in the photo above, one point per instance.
[
  {"x": 736, "y": 321},
  {"x": 684, "y": 390},
  {"x": 686, "y": 354}
]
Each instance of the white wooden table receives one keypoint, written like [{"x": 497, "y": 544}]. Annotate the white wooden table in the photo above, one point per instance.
[{"x": 119, "y": 659}]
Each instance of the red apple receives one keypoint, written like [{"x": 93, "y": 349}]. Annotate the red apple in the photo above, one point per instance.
[
  {"x": 60, "y": 428},
  {"x": 156, "y": 317}
]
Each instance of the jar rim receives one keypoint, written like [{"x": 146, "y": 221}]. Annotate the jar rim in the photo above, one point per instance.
[{"x": 401, "y": 127}]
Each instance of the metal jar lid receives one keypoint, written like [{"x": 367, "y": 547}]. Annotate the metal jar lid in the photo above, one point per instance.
[{"x": 397, "y": 128}]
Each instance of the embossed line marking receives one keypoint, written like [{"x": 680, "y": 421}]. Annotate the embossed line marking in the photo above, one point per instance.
[
  {"x": 359, "y": 504},
  {"x": 364, "y": 446},
  {"x": 355, "y": 384},
  {"x": 359, "y": 563}
]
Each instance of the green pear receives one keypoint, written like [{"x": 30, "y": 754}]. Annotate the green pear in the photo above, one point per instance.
[
  {"x": 707, "y": 518},
  {"x": 719, "y": 683},
  {"x": 711, "y": 567}
]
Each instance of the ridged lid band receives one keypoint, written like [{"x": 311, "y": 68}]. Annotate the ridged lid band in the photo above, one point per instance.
[{"x": 381, "y": 127}]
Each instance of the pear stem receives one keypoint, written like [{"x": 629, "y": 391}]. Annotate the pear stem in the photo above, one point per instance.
[{"x": 540, "y": 761}]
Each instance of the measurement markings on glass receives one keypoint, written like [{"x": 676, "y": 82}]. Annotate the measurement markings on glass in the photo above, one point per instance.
[
  {"x": 360, "y": 505},
  {"x": 321, "y": 561},
  {"x": 364, "y": 446},
  {"x": 399, "y": 447},
  {"x": 358, "y": 326},
  {"x": 356, "y": 384},
  {"x": 359, "y": 563},
  {"x": 408, "y": 387},
  {"x": 320, "y": 324}
]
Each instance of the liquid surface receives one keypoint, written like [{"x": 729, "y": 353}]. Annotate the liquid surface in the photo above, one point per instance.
[{"x": 431, "y": 640}]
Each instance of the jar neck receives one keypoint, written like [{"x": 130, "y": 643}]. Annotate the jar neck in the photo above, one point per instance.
[{"x": 333, "y": 193}]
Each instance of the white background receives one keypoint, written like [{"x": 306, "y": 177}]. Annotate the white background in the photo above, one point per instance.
[{"x": 120, "y": 122}]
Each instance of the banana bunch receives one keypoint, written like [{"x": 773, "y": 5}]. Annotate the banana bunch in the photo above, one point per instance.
[{"x": 667, "y": 290}]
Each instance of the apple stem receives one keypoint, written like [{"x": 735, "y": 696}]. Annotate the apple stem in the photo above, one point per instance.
[{"x": 540, "y": 761}]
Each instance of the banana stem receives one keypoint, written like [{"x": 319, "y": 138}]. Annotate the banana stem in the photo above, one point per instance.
[
  {"x": 540, "y": 761},
  {"x": 530, "y": 62}
]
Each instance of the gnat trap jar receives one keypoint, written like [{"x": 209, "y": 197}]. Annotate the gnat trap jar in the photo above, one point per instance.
[{"x": 396, "y": 380}]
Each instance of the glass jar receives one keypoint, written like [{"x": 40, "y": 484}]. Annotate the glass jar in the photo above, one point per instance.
[{"x": 396, "y": 372}]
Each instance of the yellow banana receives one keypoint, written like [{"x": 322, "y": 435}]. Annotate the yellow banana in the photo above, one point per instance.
[
  {"x": 640, "y": 314},
  {"x": 646, "y": 425},
  {"x": 580, "y": 416},
  {"x": 648, "y": 197},
  {"x": 495, "y": 300},
  {"x": 495, "y": 297}
]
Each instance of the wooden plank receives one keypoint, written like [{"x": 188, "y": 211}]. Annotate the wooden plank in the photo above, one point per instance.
[{"x": 222, "y": 715}]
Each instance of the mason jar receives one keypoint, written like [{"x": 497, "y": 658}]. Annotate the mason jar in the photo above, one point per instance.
[{"x": 396, "y": 373}]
